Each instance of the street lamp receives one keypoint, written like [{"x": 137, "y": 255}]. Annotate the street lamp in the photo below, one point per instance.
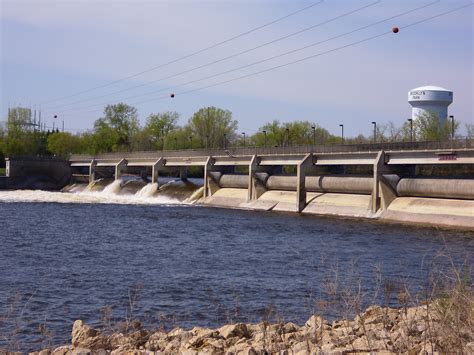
[
  {"x": 225, "y": 141},
  {"x": 243, "y": 133},
  {"x": 191, "y": 141},
  {"x": 452, "y": 131},
  {"x": 375, "y": 131},
  {"x": 287, "y": 137},
  {"x": 207, "y": 141},
  {"x": 314, "y": 134},
  {"x": 411, "y": 131},
  {"x": 264, "y": 139},
  {"x": 176, "y": 143},
  {"x": 342, "y": 133}
]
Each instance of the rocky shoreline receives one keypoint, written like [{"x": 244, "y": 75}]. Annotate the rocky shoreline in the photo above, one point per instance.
[{"x": 413, "y": 330}]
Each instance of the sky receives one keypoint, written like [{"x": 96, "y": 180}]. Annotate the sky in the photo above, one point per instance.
[{"x": 52, "y": 50}]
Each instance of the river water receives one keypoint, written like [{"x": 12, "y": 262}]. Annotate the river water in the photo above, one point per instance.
[{"x": 66, "y": 256}]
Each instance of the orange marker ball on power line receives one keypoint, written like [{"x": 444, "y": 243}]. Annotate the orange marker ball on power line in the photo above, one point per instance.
[{"x": 395, "y": 29}]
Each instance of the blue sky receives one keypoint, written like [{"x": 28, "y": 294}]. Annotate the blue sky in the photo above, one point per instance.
[{"x": 50, "y": 49}]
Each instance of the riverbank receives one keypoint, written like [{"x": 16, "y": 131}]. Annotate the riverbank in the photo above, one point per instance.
[{"x": 423, "y": 329}]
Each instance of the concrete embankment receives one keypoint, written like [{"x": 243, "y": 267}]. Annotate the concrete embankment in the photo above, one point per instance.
[
  {"x": 36, "y": 174},
  {"x": 426, "y": 201},
  {"x": 414, "y": 330}
]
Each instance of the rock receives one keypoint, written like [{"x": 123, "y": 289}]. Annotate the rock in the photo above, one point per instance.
[
  {"x": 360, "y": 344},
  {"x": 156, "y": 341},
  {"x": 81, "y": 351},
  {"x": 469, "y": 348},
  {"x": 428, "y": 349},
  {"x": 291, "y": 328},
  {"x": 315, "y": 322},
  {"x": 62, "y": 350},
  {"x": 300, "y": 348},
  {"x": 201, "y": 337},
  {"x": 234, "y": 330},
  {"x": 84, "y": 336}
]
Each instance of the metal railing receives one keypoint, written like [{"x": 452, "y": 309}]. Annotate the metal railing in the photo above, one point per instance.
[{"x": 292, "y": 149}]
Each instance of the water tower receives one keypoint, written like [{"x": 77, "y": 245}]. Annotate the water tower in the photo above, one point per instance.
[{"x": 430, "y": 100}]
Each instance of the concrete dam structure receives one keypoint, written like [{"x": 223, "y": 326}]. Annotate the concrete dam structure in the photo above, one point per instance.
[{"x": 426, "y": 187}]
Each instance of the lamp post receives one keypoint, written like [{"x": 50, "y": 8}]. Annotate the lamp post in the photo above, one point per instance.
[
  {"x": 287, "y": 137},
  {"x": 225, "y": 141},
  {"x": 207, "y": 141},
  {"x": 264, "y": 139},
  {"x": 411, "y": 131},
  {"x": 176, "y": 143},
  {"x": 452, "y": 131},
  {"x": 342, "y": 133},
  {"x": 243, "y": 133},
  {"x": 191, "y": 141},
  {"x": 375, "y": 131},
  {"x": 314, "y": 134}
]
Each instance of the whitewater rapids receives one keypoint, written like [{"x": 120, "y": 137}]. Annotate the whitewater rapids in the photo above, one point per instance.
[{"x": 111, "y": 194}]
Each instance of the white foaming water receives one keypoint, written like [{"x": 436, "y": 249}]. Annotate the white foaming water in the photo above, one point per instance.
[
  {"x": 147, "y": 191},
  {"x": 113, "y": 188},
  {"x": 108, "y": 195}
]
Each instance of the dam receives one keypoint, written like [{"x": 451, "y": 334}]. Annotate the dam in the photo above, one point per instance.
[{"x": 407, "y": 183}]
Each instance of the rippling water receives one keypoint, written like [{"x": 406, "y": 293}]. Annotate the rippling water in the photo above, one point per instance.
[{"x": 199, "y": 266}]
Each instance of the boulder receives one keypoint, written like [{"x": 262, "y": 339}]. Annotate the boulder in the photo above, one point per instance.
[
  {"x": 238, "y": 330},
  {"x": 62, "y": 350},
  {"x": 86, "y": 337}
]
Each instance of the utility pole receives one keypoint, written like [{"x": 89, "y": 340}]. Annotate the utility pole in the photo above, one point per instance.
[
  {"x": 314, "y": 134},
  {"x": 243, "y": 133},
  {"x": 452, "y": 131},
  {"x": 375, "y": 131},
  {"x": 342, "y": 133},
  {"x": 264, "y": 139}
]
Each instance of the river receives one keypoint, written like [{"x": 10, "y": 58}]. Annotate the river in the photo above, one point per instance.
[{"x": 66, "y": 256}]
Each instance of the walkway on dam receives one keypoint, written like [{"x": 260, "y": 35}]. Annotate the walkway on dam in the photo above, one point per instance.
[{"x": 292, "y": 149}]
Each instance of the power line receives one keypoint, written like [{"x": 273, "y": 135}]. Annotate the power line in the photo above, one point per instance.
[
  {"x": 326, "y": 52},
  {"x": 266, "y": 59},
  {"x": 188, "y": 55},
  {"x": 227, "y": 57}
]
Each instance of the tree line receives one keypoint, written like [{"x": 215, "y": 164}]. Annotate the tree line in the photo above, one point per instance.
[{"x": 210, "y": 127}]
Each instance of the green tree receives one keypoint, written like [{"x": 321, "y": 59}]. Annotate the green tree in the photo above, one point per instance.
[
  {"x": 19, "y": 119},
  {"x": 428, "y": 127},
  {"x": 210, "y": 125},
  {"x": 64, "y": 144},
  {"x": 290, "y": 133},
  {"x": 20, "y": 137},
  {"x": 158, "y": 125},
  {"x": 115, "y": 130},
  {"x": 179, "y": 138}
]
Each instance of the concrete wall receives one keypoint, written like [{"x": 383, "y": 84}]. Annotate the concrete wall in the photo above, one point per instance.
[{"x": 44, "y": 174}]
